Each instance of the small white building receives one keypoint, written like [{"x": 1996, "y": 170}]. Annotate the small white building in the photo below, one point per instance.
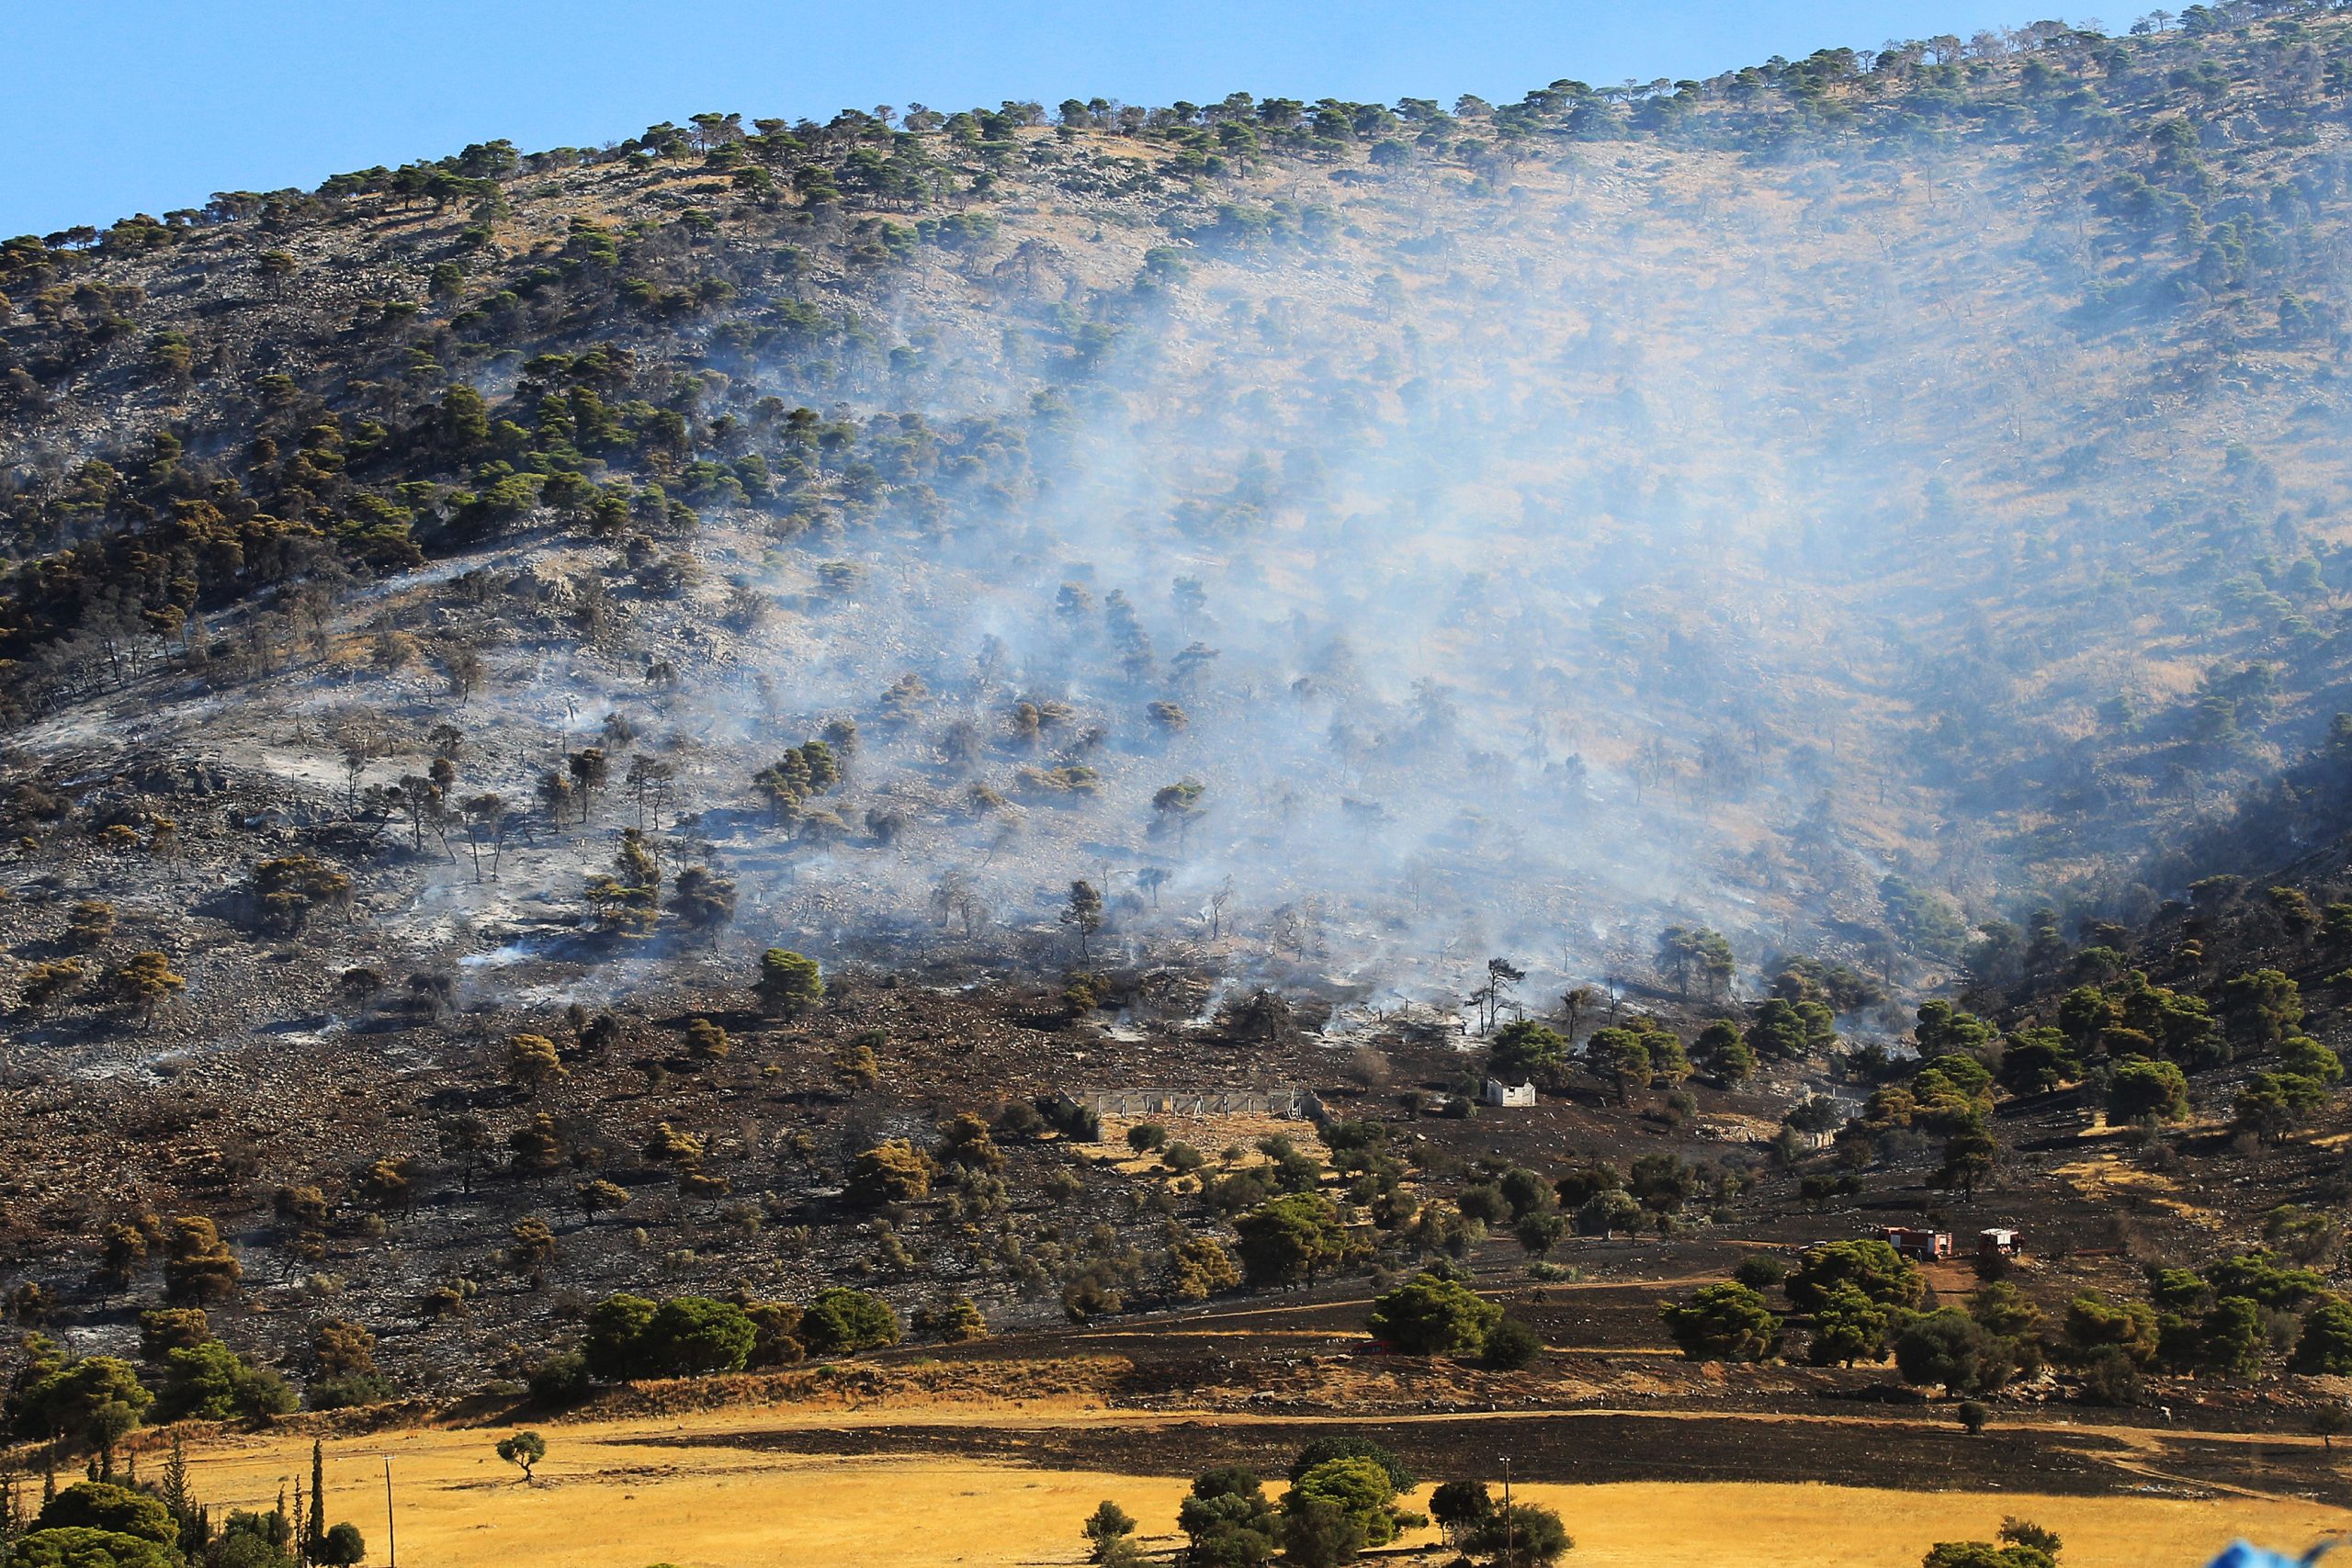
[{"x": 1494, "y": 1091}]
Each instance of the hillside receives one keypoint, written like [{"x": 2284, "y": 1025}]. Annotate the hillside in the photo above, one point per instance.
[
  {"x": 1744, "y": 493},
  {"x": 653, "y": 724}
]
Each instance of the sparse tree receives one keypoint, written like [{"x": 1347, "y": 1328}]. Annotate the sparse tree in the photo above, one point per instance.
[
  {"x": 1083, "y": 915},
  {"x": 524, "y": 1450}
]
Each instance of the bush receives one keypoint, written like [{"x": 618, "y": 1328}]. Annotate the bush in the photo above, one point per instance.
[
  {"x": 1724, "y": 1323},
  {"x": 1228, "y": 1520},
  {"x": 892, "y": 1172},
  {"x": 2096, "y": 1325},
  {"x": 212, "y": 1383},
  {"x": 692, "y": 1336},
  {"x": 631, "y": 1336},
  {"x": 1511, "y": 1345},
  {"x": 561, "y": 1379},
  {"x": 790, "y": 983},
  {"x": 1950, "y": 1348},
  {"x": 842, "y": 1321},
  {"x": 1359, "y": 1489},
  {"x": 100, "y": 1505},
  {"x": 79, "y": 1547},
  {"x": 2109, "y": 1377},
  {"x": 1433, "y": 1316},
  {"x": 1289, "y": 1240},
  {"x": 2326, "y": 1343},
  {"x": 1320, "y": 1534},
  {"x": 1322, "y": 1450},
  {"x": 1459, "y": 1507},
  {"x": 1108, "y": 1527},
  {"x": 1762, "y": 1271},
  {"x": 2143, "y": 1089},
  {"x": 952, "y": 1319},
  {"x": 1528, "y": 1536},
  {"x": 345, "y": 1390},
  {"x": 1871, "y": 1266}
]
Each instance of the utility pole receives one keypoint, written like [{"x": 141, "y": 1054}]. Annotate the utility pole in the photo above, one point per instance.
[
  {"x": 391, "y": 1541},
  {"x": 1508, "y": 1522}
]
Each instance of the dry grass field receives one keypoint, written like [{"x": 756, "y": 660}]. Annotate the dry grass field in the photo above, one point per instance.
[{"x": 618, "y": 1495}]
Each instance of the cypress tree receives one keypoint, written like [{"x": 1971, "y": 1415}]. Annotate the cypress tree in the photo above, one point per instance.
[{"x": 318, "y": 1529}]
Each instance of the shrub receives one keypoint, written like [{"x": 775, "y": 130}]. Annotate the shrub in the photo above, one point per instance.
[
  {"x": 343, "y": 1547},
  {"x": 76, "y": 1547},
  {"x": 343, "y": 1390},
  {"x": 1359, "y": 1489},
  {"x": 1948, "y": 1347},
  {"x": 1108, "y": 1529},
  {"x": 1290, "y": 1240},
  {"x": 1724, "y": 1323},
  {"x": 952, "y": 1319},
  {"x": 1511, "y": 1345},
  {"x": 1527, "y": 1535},
  {"x": 892, "y": 1172},
  {"x": 2109, "y": 1377},
  {"x": 842, "y": 1322},
  {"x": 692, "y": 1336},
  {"x": 617, "y": 1328},
  {"x": 1434, "y": 1317},
  {"x": 212, "y": 1383},
  {"x": 2143, "y": 1089},
  {"x": 1871, "y": 1266},
  {"x": 1459, "y": 1507},
  {"x": 790, "y": 983},
  {"x": 2094, "y": 1325},
  {"x": 118, "y": 1510},
  {"x": 2326, "y": 1343},
  {"x": 561, "y": 1379},
  {"x": 1320, "y": 1450}
]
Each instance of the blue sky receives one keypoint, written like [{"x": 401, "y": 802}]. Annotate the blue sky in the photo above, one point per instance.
[{"x": 117, "y": 105}]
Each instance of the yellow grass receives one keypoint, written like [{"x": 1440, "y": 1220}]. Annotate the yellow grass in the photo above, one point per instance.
[
  {"x": 2107, "y": 1176},
  {"x": 609, "y": 1498}
]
